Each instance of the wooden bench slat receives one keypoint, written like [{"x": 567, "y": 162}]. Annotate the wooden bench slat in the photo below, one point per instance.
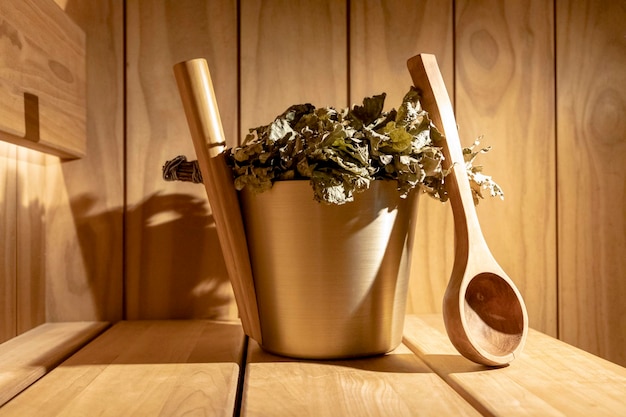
[
  {"x": 185, "y": 367},
  {"x": 397, "y": 384},
  {"x": 143, "y": 368},
  {"x": 27, "y": 357},
  {"x": 550, "y": 378}
]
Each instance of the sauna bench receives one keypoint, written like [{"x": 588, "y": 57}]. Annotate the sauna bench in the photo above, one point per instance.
[{"x": 209, "y": 368}]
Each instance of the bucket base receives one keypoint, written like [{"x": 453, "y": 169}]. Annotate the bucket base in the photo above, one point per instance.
[{"x": 356, "y": 355}]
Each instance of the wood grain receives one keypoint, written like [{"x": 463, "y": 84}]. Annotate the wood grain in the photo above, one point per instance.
[
  {"x": 291, "y": 52},
  {"x": 30, "y": 242},
  {"x": 84, "y": 198},
  {"x": 478, "y": 289},
  {"x": 43, "y": 85},
  {"x": 549, "y": 378},
  {"x": 383, "y": 35},
  {"x": 29, "y": 356},
  {"x": 144, "y": 368},
  {"x": 505, "y": 91},
  {"x": 591, "y": 86},
  {"x": 397, "y": 384},
  {"x": 205, "y": 125},
  {"x": 8, "y": 241},
  {"x": 174, "y": 265}
]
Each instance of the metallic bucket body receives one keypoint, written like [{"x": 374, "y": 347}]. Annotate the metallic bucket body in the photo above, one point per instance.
[{"x": 331, "y": 281}]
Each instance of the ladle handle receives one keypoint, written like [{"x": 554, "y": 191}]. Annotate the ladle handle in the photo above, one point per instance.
[
  {"x": 198, "y": 97},
  {"x": 435, "y": 100}
]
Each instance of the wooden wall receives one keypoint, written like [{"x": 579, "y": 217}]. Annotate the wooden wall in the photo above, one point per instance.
[
  {"x": 336, "y": 55},
  {"x": 591, "y": 192},
  {"x": 542, "y": 82},
  {"x": 174, "y": 267},
  {"x": 85, "y": 198},
  {"x": 61, "y": 233}
]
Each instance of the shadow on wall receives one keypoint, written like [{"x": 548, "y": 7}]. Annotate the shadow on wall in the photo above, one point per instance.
[
  {"x": 188, "y": 281},
  {"x": 159, "y": 257}
]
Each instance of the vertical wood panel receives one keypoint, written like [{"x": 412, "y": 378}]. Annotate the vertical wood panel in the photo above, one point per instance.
[
  {"x": 174, "y": 264},
  {"x": 84, "y": 198},
  {"x": 591, "y": 86},
  {"x": 383, "y": 35},
  {"x": 296, "y": 51},
  {"x": 505, "y": 91},
  {"x": 8, "y": 217},
  {"x": 291, "y": 52},
  {"x": 30, "y": 239}
]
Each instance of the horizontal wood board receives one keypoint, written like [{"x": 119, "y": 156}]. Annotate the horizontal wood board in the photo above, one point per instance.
[
  {"x": 397, "y": 384},
  {"x": 549, "y": 378},
  {"x": 43, "y": 78},
  {"x": 29, "y": 356},
  {"x": 182, "y": 367},
  {"x": 144, "y": 368}
]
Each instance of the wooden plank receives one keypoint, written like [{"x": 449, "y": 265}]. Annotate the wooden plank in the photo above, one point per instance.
[
  {"x": 42, "y": 81},
  {"x": 396, "y": 384},
  {"x": 8, "y": 240},
  {"x": 292, "y": 52},
  {"x": 505, "y": 91},
  {"x": 30, "y": 242},
  {"x": 591, "y": 86},
  {"x": 84, "y": 198},
  {"x": 26, "y": 358},
  {"x": 143, "y": 368},
  {"x": 549, "y": 378},
  {"x": 174, "y": 265},
  {"x": 383, "y": 35}
]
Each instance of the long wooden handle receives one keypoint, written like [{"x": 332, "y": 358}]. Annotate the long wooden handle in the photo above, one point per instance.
[
  {"x": 426, "y": 76},
  {"x": 198, "y": 97}
]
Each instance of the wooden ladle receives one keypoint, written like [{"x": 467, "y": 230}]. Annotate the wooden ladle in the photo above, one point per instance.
[{"x": 483, "y": 311}]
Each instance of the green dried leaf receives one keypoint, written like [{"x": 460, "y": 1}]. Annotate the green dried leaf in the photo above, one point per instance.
[
  {"x": 342, "y": 151},
  {"x": 370, "y": 110}
]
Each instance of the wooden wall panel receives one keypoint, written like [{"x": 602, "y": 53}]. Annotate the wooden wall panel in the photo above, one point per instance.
[
  {"x": 30, "y": 242},
  {"x": 383, "y": 35},
  {"x": 8, "y": 220},
  {"x": 291, "y": 52},
  {"x": 503, "y": 82},
  {"x": 591, "y": 86},
  {"x": 174, "y": 265},
  {"x": 42, "y": 104},
  {"x": 505, "y": 91},
  {"x": 84, "y": 198}
]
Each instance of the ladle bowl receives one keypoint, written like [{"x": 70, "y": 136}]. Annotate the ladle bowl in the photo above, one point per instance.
[{"x": 484, "y": 313}]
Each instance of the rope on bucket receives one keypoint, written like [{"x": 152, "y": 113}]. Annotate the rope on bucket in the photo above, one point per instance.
[{"x": 179, "y": 169}]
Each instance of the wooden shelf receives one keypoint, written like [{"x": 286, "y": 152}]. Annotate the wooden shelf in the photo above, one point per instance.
[
  {"x": 143, "y": 368},
  {"x": 549, "y": 378},
  {"x": 26, "y": 358},
  {"x": 397, "y": 384},
  {"x": 43, "y": 83},
  {"x": 149, "y": 368}
]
